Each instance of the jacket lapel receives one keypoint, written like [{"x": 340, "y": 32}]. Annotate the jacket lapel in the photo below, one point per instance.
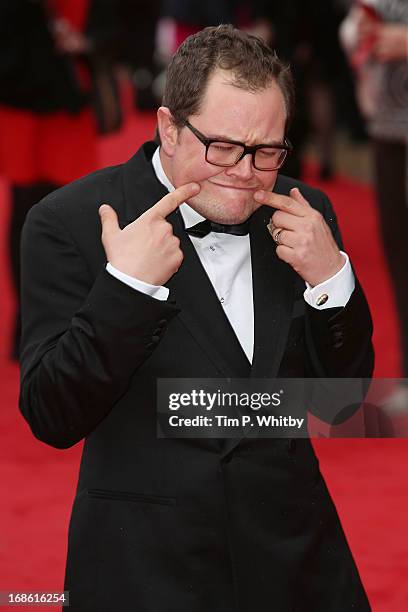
[{"x": 273, "y": 289}]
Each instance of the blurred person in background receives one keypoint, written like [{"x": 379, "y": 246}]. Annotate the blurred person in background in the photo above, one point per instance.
[
  {"x": 189, "y": 16},
  {"x": 375, "y": 35},
  {"x": 138, "y": 32},
  {"x": 56, "y": 86},
  {"x": 304, "y": 33}
]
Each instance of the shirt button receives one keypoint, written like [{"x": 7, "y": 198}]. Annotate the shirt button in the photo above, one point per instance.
[
  {"x": 322, "y": 299},
  {"x": 212, "y": 247},
  {"x": 222, "y": 300}
]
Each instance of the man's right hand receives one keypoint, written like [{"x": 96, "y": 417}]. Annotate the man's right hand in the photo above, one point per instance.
[{"x": 146, "y": 249}]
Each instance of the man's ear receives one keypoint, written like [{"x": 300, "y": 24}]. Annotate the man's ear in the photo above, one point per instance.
[{"x": 167, "y": 130}]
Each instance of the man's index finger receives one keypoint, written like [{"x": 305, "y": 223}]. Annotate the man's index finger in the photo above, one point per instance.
[{"x": 172, "y": 200}]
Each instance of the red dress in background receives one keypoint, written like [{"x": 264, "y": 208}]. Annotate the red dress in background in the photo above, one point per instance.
[
  {"x": 40, "y": 151},
  {"x": 55, "y": 147}
]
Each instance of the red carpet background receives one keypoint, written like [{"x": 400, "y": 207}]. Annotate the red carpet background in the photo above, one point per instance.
[{"x": 367, "y": 478}]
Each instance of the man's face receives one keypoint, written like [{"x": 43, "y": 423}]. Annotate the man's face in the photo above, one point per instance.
[{"x": 231, "y": 113}]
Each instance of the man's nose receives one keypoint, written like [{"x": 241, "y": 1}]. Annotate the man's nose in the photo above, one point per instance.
[{"x": 243, "y": 169}]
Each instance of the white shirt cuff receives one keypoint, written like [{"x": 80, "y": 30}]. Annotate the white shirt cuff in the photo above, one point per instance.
[
  {"x": 333, "y": 292},
  {"x": 160, "y": 293}
]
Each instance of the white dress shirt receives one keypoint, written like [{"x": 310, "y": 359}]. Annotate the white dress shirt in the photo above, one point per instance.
[{"x": 227, "y": 262}]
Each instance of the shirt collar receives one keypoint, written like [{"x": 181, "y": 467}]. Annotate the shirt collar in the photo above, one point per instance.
[{"x": 189, "y": 215}]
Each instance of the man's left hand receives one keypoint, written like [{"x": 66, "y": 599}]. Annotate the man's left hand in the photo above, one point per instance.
[{"x": 304, "y": 239}]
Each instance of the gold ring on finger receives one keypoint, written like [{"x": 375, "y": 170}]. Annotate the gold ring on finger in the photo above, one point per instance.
[{"x": 277, "y": 237}]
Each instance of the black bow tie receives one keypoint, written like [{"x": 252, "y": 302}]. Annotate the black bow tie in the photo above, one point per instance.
[{"x": 205, "y": 227}]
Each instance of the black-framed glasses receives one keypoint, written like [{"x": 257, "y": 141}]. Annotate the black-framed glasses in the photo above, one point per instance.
[{"x": 227, "y": 153}]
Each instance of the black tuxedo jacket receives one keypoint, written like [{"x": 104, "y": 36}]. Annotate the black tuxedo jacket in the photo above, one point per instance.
[{"x": 162, "y": 525}]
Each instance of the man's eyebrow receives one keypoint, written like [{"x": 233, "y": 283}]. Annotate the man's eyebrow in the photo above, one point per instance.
[
  {"x": 222, "y": 137},
  {"x": 229, "y": 139}
]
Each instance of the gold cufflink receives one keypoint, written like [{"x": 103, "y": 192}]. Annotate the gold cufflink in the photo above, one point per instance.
[{"x": 322, "y": 299}]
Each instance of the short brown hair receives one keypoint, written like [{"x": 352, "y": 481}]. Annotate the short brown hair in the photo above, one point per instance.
[{"x": 253, "y": 65}]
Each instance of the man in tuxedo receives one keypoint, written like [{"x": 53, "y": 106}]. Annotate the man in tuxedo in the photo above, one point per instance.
[{"x": 210, "y": 266}]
